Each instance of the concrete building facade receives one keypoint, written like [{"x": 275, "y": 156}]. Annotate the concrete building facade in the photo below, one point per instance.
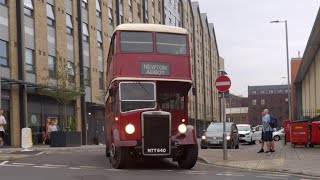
[
  {"x": 44, "y": 38},
  {"x": 307, "y": 82}
]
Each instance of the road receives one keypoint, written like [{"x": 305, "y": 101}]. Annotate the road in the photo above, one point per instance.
[{"x": 93, "y": 165}]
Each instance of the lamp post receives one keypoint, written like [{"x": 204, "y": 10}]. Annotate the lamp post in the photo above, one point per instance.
[{"x": 288, "y": 72}]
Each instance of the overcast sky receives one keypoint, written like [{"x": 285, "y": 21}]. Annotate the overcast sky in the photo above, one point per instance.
[{"x": 254, "y": 49}]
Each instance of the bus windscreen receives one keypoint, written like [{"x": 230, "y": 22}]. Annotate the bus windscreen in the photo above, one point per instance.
[
  {"x": 136, "y": 42},
  {"x": 171, "y": 43}
]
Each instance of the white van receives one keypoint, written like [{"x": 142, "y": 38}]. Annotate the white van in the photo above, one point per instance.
[{"x": 246, "y": 134}]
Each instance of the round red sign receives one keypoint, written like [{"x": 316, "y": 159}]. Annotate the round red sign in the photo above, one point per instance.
[{"x": 223, "y": 83}]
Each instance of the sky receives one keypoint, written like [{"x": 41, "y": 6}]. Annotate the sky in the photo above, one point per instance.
[{"x": 253, "y": 48}]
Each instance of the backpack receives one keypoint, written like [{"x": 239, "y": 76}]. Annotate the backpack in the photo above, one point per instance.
[{"x": 273, "y": 122}]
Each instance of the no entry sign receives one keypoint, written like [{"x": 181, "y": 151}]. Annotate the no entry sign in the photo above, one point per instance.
[{"x": 223, "y": 83}]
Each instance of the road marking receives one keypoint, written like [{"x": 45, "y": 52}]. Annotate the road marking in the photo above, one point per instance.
[
  {"x": 89, "y": 167},
  {"x": 74, "y": 168},
  {"x": 276, "y": 175},
  {"x": 114, "y": 170},
  {"x": 4, "y": 162},
  {"x": 46, "y": 167},
  {"x": 193, "y": 172},
  {"x": 10, "y": 165},
  {"x": 227, "y": 174},
  {"x": 53, "y": 165},
  {"x": 24, "y": 164},
  {"x": 38, "y": 154},
  {"x": 271, "y": 177}
]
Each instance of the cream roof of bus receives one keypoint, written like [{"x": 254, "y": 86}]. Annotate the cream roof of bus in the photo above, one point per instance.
[{"x": 151, "y": 28}]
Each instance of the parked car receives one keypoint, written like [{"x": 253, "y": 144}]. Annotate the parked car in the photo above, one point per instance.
[
  {"x": 257, "y": 132},
  {"x": 246, "y": 134},
  {"x": 278, "y": 135},
  {"x": 213, "y": 136}
]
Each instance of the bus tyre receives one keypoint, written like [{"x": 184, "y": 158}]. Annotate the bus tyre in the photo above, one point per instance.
[
  {"x": 107, "y": 152},
  {"x": 118, "y": 156},
  {"x": 189, "y": 157}
]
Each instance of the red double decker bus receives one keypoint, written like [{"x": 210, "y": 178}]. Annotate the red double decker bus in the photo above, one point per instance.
[{"x": 149, "y": 77}]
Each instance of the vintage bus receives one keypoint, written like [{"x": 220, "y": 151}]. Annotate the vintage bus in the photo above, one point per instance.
[{"x": 149, "y": 76}]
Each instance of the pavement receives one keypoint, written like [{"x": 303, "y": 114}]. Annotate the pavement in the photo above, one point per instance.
[{"x": 299, "y": 160}]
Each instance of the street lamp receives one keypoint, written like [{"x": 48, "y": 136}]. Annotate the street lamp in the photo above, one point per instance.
[{"x": 289, "y": 96}]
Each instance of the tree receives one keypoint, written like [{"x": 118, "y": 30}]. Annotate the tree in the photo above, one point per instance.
[{"x": 60, "y": 85}]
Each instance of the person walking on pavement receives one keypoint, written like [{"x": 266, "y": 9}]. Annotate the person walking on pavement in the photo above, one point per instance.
[
  {"x": 2, "y": 122},
  {"x": 262, "y": 138},
  {"x": 267, "y": 130}
]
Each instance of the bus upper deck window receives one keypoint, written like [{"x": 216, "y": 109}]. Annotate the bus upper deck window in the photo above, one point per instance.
[
  {"x": 171, "y": 43},
  {"x": 136, "y": 42}
]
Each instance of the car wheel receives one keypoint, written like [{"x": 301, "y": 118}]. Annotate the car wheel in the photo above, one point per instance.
[
  {"x": 276, "y": 138},
  {"x": 203, "y": 146}
]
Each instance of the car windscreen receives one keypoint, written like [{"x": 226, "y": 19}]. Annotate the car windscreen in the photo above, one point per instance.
[
  {"x": 243, "y": 128},
  {"x": 171, "y": 43},
  {"x": 218, "y": 127},
  {"x": 137, "y": 95},
  {"x": 136, "y": 42}
]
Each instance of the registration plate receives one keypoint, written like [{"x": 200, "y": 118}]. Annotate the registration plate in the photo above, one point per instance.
[{"x": 214, "y": 142}]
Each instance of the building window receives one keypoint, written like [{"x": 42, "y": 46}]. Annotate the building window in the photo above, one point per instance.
[
  {"x": 139, "y": 10},
  {"x": 99, "y": 39},
  {"x": 28, "y": 8},
  {"x": 3, "y": 2},
  {"x": 159, "y": 6},
  {"x": 263, "y": 102},
  {"x": 69, "y": 24},
  {"x": 29, "y": 60},
  {"x": 85, "y": 4},
  {"x": 98, "y": 8},
  {"x": 279, "y": 91},
  {"x": 85, "y": 32},
  {"x": 71, "y": 71},
  {"x": 262, "y": 92},
  {"x": 52, "y": 67},
  {"x": 110, "y": 16},
  {"x": 253, "y": 92},
  {"x": 121, "y": 19},
  {"x": 254, "y": 102},
  {"x": 101, "y": 80},
  {"x": 50, "y": 15},
  {"x": 271, "y": 91},
  {"x": 130, "y": 10},
  {"x": 86, "y": 74},
  {"x": 4, "y": 53},
  {"x": 286, "y": 100},
  {"x": 286, "y": 91}
]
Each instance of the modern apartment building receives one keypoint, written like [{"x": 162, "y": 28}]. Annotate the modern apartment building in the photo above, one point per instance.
[{"x": 40, "y": 39}]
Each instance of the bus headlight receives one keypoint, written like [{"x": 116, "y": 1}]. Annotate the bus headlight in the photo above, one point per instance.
[
  {"x": 130, "y": 129},
  {"x": 182, "y": 128},
  {"x": 228, "y": 138}
]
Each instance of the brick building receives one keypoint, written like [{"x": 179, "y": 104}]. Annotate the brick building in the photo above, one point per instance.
[{"x": 273, "y": 97}]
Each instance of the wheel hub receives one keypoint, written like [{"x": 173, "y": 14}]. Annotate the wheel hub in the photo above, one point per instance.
[{"x": 112, "y": 150}]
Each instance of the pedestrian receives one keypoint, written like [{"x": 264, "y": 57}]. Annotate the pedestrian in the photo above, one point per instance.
[
  {"x": 51, "y": 128},
  {"x": 262, "y": 137},
  {"x": 267, "y": 130},
  {"x": 2, "y": 122}
]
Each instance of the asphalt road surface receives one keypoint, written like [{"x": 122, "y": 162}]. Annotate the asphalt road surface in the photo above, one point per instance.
[{"x": 95, "y": 166}]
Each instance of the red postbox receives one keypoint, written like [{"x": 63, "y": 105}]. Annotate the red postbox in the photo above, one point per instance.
[
  {"x": 315, "y": 133},
  {"x": 286, "y": 125},
  {"x": 299, "y": 133}
]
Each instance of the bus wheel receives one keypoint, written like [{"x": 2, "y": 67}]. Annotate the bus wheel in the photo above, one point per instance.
[
  {"x": 118, "y": 156},
  {"x": 189, "y": 157},
  {"x": 108, "y": 152}
]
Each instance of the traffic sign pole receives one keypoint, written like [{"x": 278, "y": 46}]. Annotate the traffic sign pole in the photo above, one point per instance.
[
  {"x": 225, "y": 153},
  {"x": 223, "y": 84}
]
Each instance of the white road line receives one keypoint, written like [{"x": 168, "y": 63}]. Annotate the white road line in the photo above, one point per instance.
[
  {"x": 271, "y": 177},
  {"x": 53, "y": 165},
  {"x": 275, "y": 175},
  {"x": 38, "y": 154},
  {"x": 114, "y": 170},
  {"x": 74, "y": 168},
  {"x": 11, "y": 165},
  {"x": 193, "y": 172},
  {"x": 225, "y": 174},
  {"x": 89, "y": 167},
  {"x": 24, "y": 164},
  {"x": 4, "y": 162},
  {"x": 46, "y": 167}
]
